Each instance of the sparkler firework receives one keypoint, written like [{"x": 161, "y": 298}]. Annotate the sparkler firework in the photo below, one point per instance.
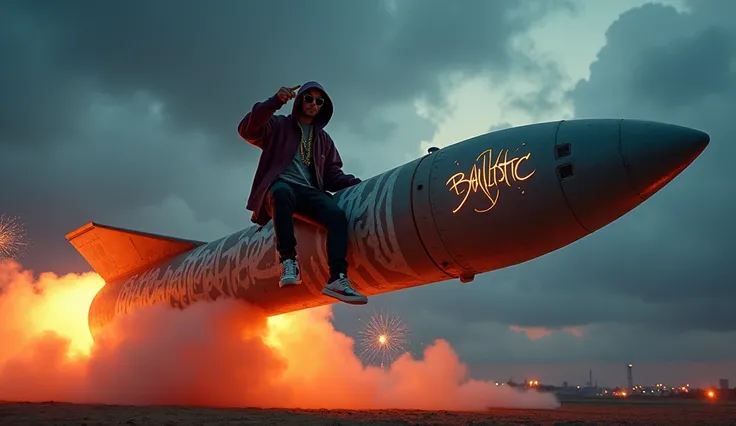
[
  {"x": 383, "y": 338},
  {"x": 12, "y": 236}
]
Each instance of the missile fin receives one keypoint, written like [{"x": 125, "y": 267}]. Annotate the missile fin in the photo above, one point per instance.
[{"x": 115, "y": 253}]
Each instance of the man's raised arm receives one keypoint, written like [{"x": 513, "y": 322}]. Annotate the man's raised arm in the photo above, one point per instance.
[{"x": 255, "y": 127}]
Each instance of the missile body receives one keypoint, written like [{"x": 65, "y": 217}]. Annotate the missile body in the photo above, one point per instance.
[{"x": 483, "y": 204}]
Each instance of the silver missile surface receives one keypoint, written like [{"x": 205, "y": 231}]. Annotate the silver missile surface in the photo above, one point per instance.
[{"x": 486, "y": 203}]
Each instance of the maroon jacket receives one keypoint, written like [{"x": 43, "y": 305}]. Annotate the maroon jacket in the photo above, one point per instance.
[{"x": 279, "y": 137}]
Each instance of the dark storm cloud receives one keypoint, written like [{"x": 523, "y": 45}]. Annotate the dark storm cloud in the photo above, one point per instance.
[
  {"x": 209, "y": 61},
  {"x": 666, "y": 266},
  {"x": 547, "y": 95},
  {"x": 676, "y": 248},
  {"x": 108, "y": 107},
  {"x": 665, "y": 74}
]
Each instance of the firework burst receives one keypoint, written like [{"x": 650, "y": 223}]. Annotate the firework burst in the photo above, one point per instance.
[
  {"x": 383, "y": 338},
  {"x": 12, "y": 237}
]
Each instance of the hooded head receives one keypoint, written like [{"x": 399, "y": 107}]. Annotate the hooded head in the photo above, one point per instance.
[{"x": 321, "y": 115}]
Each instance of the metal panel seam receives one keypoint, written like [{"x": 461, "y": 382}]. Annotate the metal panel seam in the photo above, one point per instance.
[
  {"x": 442, "y": 240},
  {"x": 559, "y": 181},
  {"x": 414, "y": 216}
]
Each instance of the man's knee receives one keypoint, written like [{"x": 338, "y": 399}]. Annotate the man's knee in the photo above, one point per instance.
[{"x": 281, "y": 195}]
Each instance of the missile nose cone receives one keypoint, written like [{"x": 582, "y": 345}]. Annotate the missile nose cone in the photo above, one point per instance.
[{"x": 655, "y": 153}]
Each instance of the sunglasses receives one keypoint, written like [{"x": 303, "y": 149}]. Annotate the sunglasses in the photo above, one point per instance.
[{"x": 317, "y": 101}]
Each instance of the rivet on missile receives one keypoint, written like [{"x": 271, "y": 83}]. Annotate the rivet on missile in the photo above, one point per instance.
[
  {"x": 466, "y": 278},
  {"x": 432, "y": 150}
]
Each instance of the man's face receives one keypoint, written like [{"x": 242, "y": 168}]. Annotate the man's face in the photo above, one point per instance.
[{"x": 312, "y": 102}]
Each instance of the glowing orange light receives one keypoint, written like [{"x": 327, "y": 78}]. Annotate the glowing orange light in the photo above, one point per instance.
[
  {"x": 382, "y": 339},
  {"x": 487, "y": 175},
  {"x": 52, "y": 304},
  {"x": 711, "y": 394}
]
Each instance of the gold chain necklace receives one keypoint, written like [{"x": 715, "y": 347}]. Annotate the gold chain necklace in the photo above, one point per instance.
[{"x": 306, "y": 156}]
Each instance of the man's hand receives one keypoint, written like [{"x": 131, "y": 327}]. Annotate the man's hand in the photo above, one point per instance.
[{"x": 285, "y": 94}]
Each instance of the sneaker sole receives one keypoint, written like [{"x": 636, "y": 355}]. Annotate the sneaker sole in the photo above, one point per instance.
[
  {"x": 352, "y": 300},
  {"x": 289, "y": 283}
]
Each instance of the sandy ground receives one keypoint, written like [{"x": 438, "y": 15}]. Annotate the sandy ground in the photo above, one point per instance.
[{"x": 577, "y": 413}]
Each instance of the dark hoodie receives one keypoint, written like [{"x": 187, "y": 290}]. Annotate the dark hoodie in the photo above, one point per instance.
[{"x": 279, "y": 137}]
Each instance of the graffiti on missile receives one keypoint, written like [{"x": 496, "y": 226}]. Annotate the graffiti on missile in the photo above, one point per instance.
[
  {"x": 488, "y": 174},
  {"x": 233, "y": 266},
  {"x": 221, "y": 268},
  {"x": 373, "y": 229}
]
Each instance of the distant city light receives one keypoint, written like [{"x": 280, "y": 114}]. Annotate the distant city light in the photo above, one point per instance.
[{"x": 637, "y": 392}]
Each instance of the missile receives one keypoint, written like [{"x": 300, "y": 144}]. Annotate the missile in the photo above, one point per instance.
[{"x": 480, "y": 205}]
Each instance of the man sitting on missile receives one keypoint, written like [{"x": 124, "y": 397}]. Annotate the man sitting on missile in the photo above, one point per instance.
[{"x": 298, "y": 165}]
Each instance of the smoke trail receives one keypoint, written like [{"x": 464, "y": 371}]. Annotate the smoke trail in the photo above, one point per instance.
[{"x": 215, "y": 354}]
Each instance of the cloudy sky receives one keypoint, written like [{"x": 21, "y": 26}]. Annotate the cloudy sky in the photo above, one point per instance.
[{"x": 126, "y": 114}]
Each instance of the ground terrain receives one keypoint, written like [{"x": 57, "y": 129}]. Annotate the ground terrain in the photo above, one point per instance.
[{"x": 578, "y": 412}]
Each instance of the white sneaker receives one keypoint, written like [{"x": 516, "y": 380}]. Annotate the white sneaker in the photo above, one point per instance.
[
  {"x": 341, "y": 290},
  {"x": 290, "y": 274}
]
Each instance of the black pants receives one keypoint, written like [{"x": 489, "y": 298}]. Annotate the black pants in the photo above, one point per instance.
[{"x": 285, "y": 199}]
